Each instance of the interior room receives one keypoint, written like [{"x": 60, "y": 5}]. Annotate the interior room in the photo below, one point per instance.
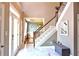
[{"x": 39, "y": 29}]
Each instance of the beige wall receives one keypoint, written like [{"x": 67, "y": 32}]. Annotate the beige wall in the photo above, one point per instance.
[
  {"x": 0, "y": 24},
  {"x": 76, "y": 31},
  {"x": 6, "y": 29},
  {"x": 68, "y": 40},
  {"x": 44, "y": 10}
]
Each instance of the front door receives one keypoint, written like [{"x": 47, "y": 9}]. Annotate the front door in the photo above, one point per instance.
[
  {"x": 1, "y": 30},
  {"x": 15, "y": 33}
]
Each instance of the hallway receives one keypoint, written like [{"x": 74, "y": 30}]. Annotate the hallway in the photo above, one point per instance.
[{"x": 21, "y": 25}]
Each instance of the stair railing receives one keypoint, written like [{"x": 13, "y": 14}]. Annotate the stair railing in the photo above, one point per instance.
[{"x": 43, "y": 28}]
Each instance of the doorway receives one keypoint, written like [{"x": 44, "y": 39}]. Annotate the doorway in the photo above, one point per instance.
[
  {"x": 14, "y": 34},
  {"x": 32, "y": 25},
  {"x": 14, "y": 31},
  {"x": 1, "y": 30}
]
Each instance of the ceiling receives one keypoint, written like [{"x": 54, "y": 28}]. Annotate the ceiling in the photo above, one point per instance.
[{"x": 44, "y": 10}]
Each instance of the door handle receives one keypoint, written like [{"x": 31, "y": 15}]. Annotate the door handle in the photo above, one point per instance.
[
  {"x": 12, "y": 36},
  {"x": 2, "y": 46}
]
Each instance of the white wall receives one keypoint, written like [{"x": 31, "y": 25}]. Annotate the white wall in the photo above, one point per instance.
[
  {"x": 51, "y": 40},
  {"x": 68, "y": 40}
]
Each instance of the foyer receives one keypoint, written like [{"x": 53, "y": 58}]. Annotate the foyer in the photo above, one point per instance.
[{"x": 39, "y": 29}]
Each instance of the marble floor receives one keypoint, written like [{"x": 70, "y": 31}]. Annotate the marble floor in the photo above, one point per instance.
[{"x": 38, "y": 51}]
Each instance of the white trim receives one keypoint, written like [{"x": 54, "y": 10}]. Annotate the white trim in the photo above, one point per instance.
[
  {"x": 35, "y": 18},
  {"x": 10, "y": 34},
  {"x": 47, "y": 34},
  {"x": 63, "y": 13},
  {"x": 14, "y": 11}
]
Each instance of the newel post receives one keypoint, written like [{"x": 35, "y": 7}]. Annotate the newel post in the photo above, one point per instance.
[{"x": 34, "y": 39}]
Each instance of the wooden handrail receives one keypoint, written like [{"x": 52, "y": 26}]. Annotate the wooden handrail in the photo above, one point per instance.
[
  {"x": 46, "y": 23},
  {"x": 56, "y": 15}
]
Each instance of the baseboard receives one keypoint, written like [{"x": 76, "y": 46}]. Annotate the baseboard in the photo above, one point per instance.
[{"x": 18, "y": 49}]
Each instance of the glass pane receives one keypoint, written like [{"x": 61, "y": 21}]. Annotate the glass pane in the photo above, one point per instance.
[{"x": 15, "y": 34}]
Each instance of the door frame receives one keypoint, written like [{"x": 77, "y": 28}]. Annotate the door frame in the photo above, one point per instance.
[
  {"x": 12, "y": 35},
  {"x": 14, "y": 14},
  {"x": 2, "y": 30}
]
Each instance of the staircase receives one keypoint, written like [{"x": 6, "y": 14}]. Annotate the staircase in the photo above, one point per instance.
[
  {"x": 45, "y": 36},
  {"x": 41, "y": 36}
]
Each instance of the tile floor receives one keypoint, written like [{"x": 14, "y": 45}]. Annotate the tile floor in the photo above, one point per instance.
[{"x": 38, "y": 51}]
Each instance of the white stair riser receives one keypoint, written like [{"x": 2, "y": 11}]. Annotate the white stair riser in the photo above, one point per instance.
[{"x": 45, "y": 36}]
